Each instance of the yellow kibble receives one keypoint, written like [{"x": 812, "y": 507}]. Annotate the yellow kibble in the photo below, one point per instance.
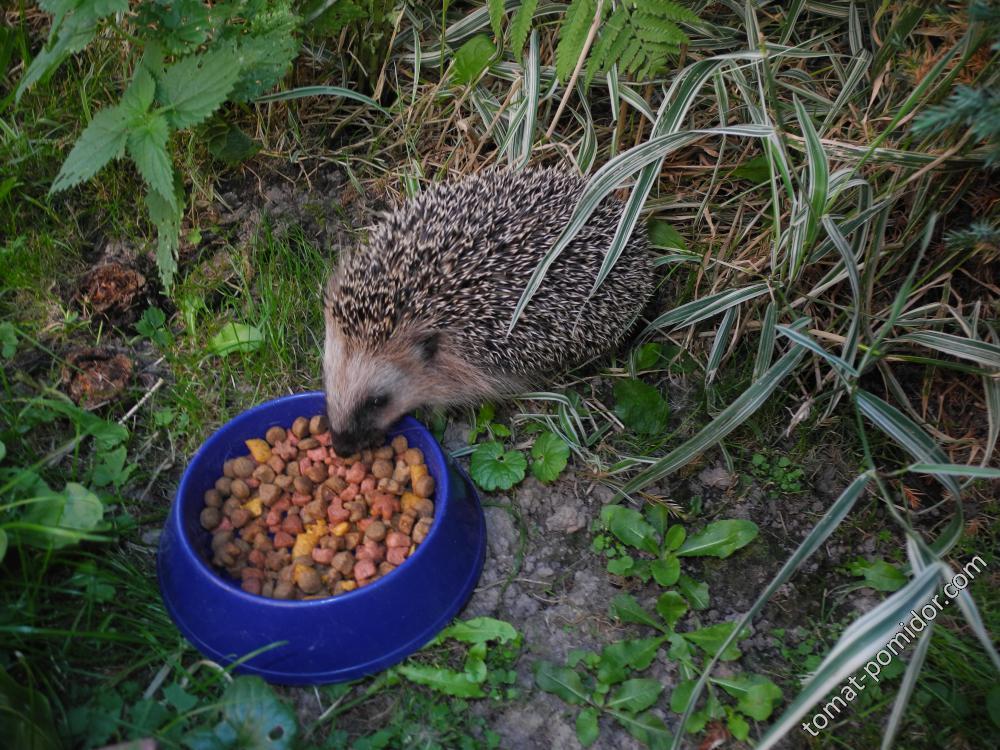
[
  {"x": 348, "y": 585},
  {"x": 255, "y": 506},
  {"x": 260, "y": 450},
  {"x": 317, "y": 529},
  {"x": 417, "y": 471},
  {"x": 341, "y": 528},
  {"x": 409, "y": 501},
  {"x": 303, "y": 546}
]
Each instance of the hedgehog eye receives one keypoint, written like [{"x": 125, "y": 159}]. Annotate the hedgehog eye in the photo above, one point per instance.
[{"x": 377, "y": 402}]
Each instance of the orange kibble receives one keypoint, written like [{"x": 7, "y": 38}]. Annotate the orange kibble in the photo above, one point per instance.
[
  {"x": 409, "y": 501},
  {"x": 417, "y": 471}
]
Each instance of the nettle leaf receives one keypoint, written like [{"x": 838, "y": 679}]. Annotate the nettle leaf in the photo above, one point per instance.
[
  {"x": 103, "y": 140},
  {"x": 756, "y": 694},
  {"x": 878, "y": 574},
  {"x": 492, "y": 468},
  {"x": 617, "y": 657},
  {"x": 236, "y": 337},
  {"x": 666, "y": 570},
  {"x": 472, "y": 58},
  {"x": 640, "y": 407},
  {"x": 167, "y": 219},
  {"x": 561, "y": 681},
  {"x": 257, "y": 717},
  {"x": 229, "y": 144},
  {"x": 197, "y": 85},
  {"x": 587, "y": 729},
  {"x": 8, "y": 340},
  {"x": 549, "y": 454},
  {"x": 147, "y": 145},
  {"x": 671, "y": 606},
  {"x": 696, "y": 592},
  {"x": 447, "y": 681},
  {"x": 264, "y": 59},
  {"x": 630, "y": 527},
  {"x": 712, "y": 637},
  {"x": 627, "y": 609},
  {"x": 497, "y": 15},
  {"x": 635, "y": 695},
  {"x": 719, "y": 539}
]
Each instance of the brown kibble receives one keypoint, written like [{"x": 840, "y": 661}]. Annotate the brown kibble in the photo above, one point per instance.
[
  {"x": 376, "y": 531},
  {"x": 421, "y": 530},
  {"x": 263, "y": 474},
  {"x": 307, "y": 444},
  {"x": 351, "y": 539},
  {"x": 399, "y": 444},
  {"x": 240, "y": 489},
  {"x": 385, "y": 567},
  {"x": 268, "y": 493},
  {"x": 317, "y": 473},
  {"x": 385, "y": 452},
  {"x": 319, "y": 424},
  {"x": 413, "y": 456},
  {"x": 343, "y": 562},
  {"x": 308, "y": 579},
  {"x": 230, "y": 505},
  {"x": 240, "y": 517},
  {"x": 424, "y": 487},
  {"x": 283, "y": 481},
  {"x": 284, "y": 590},
  {"x": 227, "y": 469},
  {"x": 223, "y": 485},
  {"x": 210, "y": 517},
  {"x": 303, "y": 485},
  {"x": 243, "y": 466},
  {"x": 275, "y": 435},
  {"x": 336, "y": 483},
  {"x": 300, "y": 427},
  {"x": 382, "y": 469},
  {"x": 213, "y": 498},
  {"x": 405, "y": 522}
]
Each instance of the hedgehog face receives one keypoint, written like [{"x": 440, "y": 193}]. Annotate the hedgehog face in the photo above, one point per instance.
[{"x": 369, "y": 390}]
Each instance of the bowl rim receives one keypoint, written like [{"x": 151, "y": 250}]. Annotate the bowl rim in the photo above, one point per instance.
[{"x": 231, "y": 586}]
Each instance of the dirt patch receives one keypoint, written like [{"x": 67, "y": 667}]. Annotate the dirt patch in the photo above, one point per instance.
[{"x": 93, "y": 375}]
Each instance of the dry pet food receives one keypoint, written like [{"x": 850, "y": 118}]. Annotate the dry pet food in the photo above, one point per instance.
[{"x": 293, "y": 520}]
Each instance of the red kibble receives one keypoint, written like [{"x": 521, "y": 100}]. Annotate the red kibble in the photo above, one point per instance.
[
  {"x": 253, "y": 483},
  {"x": 325, "y": 439},
  {"x": 322, "y": 555},
  {"x": 356, "y": 473},
  {"x": 252, "y": 585},
  {"x": 368, "y": 484},
  {"x": 364, "y": 569},
  {"x": 364, "y": 523},
  {"x": 273, "y": 517},
  {"x": 224, "y": 525},
  {"x": 317, "y": 454},
  {"x": 396, "y": 539},
  {"x": 349, "y": 493},
  {"x": 396, "y": 555},
  {"x": 283, "y": 539},
  {"x": 256, "y": 558},
  {"x": 337, "y": 512},
  {"x": 293, "y": 525}
]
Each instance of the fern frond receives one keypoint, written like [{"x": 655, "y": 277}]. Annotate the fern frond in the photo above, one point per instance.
[
  {"x": 610, "y": 44},
  {"x": 573, "y": 35},
  {"x": 668, "y": 10},
  {"x": 521, "y": 25}
]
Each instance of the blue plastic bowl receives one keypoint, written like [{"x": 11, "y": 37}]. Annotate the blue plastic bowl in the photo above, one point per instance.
[{"x": 323, "y": 640}]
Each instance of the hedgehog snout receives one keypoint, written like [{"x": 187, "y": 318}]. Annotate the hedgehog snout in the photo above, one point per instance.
[{"x": 349, "y": 443}]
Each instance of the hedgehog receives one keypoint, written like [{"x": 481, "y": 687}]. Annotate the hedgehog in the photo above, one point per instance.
[{"x": 419, "y": 315}]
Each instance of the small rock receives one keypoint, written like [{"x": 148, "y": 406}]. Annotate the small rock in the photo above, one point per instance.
[
  {"x": 717, "y": 477},
  {"x": 566, "y": 519}
]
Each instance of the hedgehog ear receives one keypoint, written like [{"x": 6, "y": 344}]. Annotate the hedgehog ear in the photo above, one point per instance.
[{"x": 427, "y": 344}]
